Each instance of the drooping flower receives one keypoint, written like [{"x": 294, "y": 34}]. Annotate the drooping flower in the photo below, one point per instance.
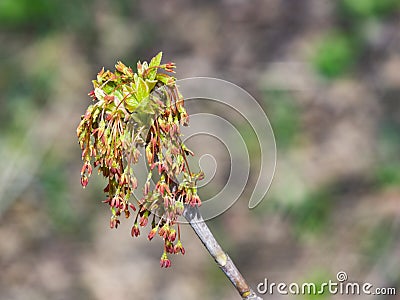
[
  {"x": 164, "y": 261},
  {"x": 179, "y": 248},
  {"x": 152, "y": 233},
  {"x": 135, "y": 230},
  {"x": 130, "y": 111}
]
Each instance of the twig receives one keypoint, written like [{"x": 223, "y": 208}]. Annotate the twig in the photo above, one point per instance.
[{"x": 196, "y": 221}]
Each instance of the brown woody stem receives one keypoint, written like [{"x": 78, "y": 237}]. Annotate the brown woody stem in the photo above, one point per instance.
[{"x": 224, "y": 262}]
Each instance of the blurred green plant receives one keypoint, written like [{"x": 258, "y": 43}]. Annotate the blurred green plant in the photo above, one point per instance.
[
  {"x": 24, "y": 12},
  {"x": 42, "y": 16},
  {"x": 312, "y": 213},
  {"x": 338, "y": 51},
  {"x": 387, "y": 170},
  {"x": 377, "y": 240},
  {"x": 317, "y": 277},
  {"x": 308, "y": 210},
  {"x": 335, "y": 54},
  {"x": 59, "y": 208},
  {"x": 284, "y": 116},
  {"x": 387, "y": 175},
  {"x": 25, "y": 96},
  {"x": 365, "y": 9}
]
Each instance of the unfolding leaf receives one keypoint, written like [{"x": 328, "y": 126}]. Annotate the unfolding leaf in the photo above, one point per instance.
[
  {"x": 131, "y": 103},
  {"x": 154, "y": 63},
  {"x": 151, "y": 84},
  {"x": 164, "y": 78},
  {"x": 142, "y": 90},
  {"x": 99, "y": 93}
]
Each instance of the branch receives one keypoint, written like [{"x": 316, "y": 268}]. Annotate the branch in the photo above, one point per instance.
[{"x": 196, "y": 221}]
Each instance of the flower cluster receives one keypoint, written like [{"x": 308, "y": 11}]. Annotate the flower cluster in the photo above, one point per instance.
[{"x": 130, "y": 111}]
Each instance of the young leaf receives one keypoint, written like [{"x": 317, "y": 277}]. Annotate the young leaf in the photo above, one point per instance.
[
  {"x": 154, "y": 63},
  {"x": 131, "y": 103},
  {"x": 166, "y": 79},
  {"x": 142, "y": 90},
  {"x": 151, "y": 84}
]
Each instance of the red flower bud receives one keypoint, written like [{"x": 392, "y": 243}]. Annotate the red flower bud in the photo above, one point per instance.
[
  {"x": 195, "y": 200},
  {"x": 164, "y": 231},
  {"x": 132, "y": 206},
  {"x": 160, "y": 167},
  {"x": 164, "y": 261},
  {"x": 146, "y": 188},
  {"x": 179, "y": 248},
  {"x": 169, "y": 67},
  {"x": 172, "y": 235},
  {"x": 84, "y": 180},
  {"x": 169, "y": 247},
  {"x": 135, "y": 230},
  {"x": 108, "y": 200},
  {"x": 143, "y": 220},
  {"x": 152, "y": 233},
  {"x": 109, "y": 98},
  {"x": 114, "y": 222},
  {"x": 134, "y": 182}
]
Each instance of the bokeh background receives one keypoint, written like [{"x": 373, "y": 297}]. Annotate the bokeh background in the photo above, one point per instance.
[{"x": 327, "y": 73}]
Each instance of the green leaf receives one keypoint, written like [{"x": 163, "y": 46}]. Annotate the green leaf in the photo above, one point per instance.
[
  {"x": 95, "y": 113},
  {"x": 119, "y": 95},
  {"x": 109, "y": 88},
  {"x": 99, "y": 93},
  {"x": 151, "y": 84},
  {"x": 164, "y": 78},
  {"x": 129, "y": 89},
  {"x": 144, "y": 68},
  {"x": 154, "y": 63},
  {"x": 156, "y": 60},
  {"x": 142, "y": 90},
  {"x": 131, "y": 103}
]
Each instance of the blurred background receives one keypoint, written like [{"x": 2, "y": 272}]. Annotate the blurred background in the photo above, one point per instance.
[{"x": 327, "y": 74}]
